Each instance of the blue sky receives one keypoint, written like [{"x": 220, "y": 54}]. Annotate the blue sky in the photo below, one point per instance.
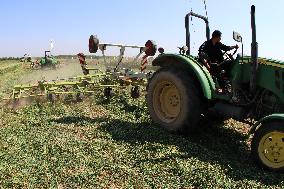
[{"x": 28, "y": 26}]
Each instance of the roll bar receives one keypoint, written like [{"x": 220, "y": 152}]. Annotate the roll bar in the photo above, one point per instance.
[{"x": 205, "y": 19}]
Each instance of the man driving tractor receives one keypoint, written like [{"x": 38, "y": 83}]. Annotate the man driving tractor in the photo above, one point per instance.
[{"x": 211, "y": 55}]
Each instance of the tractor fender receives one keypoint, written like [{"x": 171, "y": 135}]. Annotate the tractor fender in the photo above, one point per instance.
[
  {"x": 188, "y": 63},
  {"x": 272, "y": 117}
]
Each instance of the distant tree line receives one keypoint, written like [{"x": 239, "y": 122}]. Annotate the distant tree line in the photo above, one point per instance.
[{"x": 9, "y": 58}]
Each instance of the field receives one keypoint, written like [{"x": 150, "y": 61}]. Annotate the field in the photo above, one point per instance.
[{"x": 101, "y": 143}]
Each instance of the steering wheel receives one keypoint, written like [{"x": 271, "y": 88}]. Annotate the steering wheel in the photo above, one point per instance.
[{"x": 229, "y": 56}]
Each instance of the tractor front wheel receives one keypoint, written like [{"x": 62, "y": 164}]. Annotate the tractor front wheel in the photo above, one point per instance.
[
  {"x": 268, "y": 146},
  {"x": 173, "y": 100}
]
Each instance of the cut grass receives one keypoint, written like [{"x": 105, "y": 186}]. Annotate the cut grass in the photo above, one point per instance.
[
  {"x": 9, "y": 68},
  {"x": 11, "y": 73},
  {"x": 103, "y": 143},
  {"x": 112, "y": 145}
]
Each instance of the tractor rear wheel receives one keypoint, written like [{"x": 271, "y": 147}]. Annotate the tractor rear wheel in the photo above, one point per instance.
[
  {"x": 268, "y": 146},
  {"x": 173, "y": 100}
]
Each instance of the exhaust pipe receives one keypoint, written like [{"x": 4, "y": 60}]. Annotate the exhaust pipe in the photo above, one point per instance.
[{"x": 254, "y": 53}]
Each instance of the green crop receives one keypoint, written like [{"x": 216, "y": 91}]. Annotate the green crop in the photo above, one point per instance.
[{"x": 112, "y": 143}]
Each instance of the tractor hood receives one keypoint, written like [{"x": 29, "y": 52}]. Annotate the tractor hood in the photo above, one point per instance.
[
  {"x": 265, "y": 61},
  {"x": 271, "y": 62}
]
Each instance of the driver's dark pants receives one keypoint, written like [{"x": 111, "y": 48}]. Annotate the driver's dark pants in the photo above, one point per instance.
[{"x": 217, "y": 72}]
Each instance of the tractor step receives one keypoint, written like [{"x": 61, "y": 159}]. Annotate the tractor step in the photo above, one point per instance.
[{"x": 227, "y": 110}]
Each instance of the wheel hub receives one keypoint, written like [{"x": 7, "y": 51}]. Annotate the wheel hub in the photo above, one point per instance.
[
  {"x": 167, "y": 100},
  {"x": 271, "y": 149}
]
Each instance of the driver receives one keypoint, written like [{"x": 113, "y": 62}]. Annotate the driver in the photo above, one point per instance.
[{"x": 210, "y": 54}]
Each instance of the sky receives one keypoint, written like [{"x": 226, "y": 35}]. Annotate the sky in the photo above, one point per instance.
[{"x": 28, "y": 26}]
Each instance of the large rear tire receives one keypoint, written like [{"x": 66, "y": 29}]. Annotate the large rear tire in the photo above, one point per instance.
[
  {"x": 174, "y": 100},
  {"x": 268, "y": 146}
]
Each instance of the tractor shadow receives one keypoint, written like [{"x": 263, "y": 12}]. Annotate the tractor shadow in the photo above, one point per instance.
[{"x": 212, "y": 143}]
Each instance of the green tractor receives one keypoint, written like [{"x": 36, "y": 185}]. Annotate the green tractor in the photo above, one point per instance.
[
  {"x": 48, "y": 61},
  {"x": 182, "y": 90}
]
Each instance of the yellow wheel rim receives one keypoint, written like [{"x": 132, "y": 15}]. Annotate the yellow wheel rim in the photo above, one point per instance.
[
  {"x": 167, "y": 101},
  {"x": 271, "y": 150}
]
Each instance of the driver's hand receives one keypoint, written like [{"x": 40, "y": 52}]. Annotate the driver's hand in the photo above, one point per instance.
[{"x": 207, "y": 64}]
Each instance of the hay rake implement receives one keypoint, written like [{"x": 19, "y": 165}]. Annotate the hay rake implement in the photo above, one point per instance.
[{"x": 110, "y": 80}]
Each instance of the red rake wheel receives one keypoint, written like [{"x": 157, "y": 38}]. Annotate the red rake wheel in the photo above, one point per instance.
[
  {"x": 51, "y": 98},
  {"x": 151, "y": 48},
  {"x": 82, "y": 58},
  {"x": 135, "y": 92},
  {"x": 83, "y": 63},
  {"x": 108, "y": 92},
  {"x": 93, "y": 44},
  {"x": 79, "y": 97}
]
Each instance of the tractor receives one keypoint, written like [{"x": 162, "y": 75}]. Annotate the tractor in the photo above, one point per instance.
[
  {"x": 47, "y": 61},
  {"x": 182, "y": 90}
]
